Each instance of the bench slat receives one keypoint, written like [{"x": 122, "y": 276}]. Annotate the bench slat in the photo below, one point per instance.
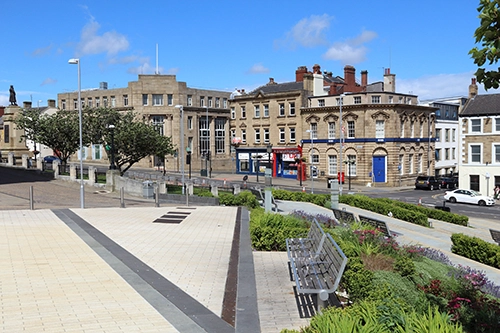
[
  {"x": 343, "y": 216},
  {"x": 495, "y": 234},
  {"x": 377, "y": 224}
]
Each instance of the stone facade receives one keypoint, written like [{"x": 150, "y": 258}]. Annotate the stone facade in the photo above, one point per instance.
[{"x": 153, "y": 98}]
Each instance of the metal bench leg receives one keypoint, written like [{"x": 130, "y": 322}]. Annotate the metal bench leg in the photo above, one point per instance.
[{"x": 322, "y": 300}]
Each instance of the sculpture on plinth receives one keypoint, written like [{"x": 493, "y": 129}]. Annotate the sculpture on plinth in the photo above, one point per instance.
[{"x": 12, "y": 97}]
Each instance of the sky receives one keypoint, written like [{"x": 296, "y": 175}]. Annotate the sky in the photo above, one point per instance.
[{"x": 228, "y": 45}]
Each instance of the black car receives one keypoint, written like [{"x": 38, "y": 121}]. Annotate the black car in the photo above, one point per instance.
[
  {"x": 448, "y": 182},
  {"x": 427, "y": 183}
]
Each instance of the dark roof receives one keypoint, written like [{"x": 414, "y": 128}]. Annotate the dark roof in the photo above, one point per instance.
[
  {"x": 279, "y": 87},
  {"x": 482, "y": 105}
]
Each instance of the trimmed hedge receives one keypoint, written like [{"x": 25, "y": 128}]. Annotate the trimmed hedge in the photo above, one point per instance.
[
  {"x": 476, "y": 249},
  {"x": 382, "y": 207}
]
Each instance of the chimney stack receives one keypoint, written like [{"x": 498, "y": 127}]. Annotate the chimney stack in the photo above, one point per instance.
[
  {"x": 364, "y": 79},
  {"x": 51, "y": 103},
  {"x": 271, "y": 81},
  {"x": 316, "y": 69},
  {"x": 473, "y": 88},
  {"x": 26, "y": 105},
  {"x": 299, "y": 73},
  {"x": 349, "y": 77},
  {"x": 389, "y": 81}
]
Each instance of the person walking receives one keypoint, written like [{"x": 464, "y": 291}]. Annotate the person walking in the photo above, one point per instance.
[{"x": 496, "y": 192}]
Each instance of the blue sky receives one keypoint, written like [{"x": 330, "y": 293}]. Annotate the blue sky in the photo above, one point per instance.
[{"x": 234, "y": 44}]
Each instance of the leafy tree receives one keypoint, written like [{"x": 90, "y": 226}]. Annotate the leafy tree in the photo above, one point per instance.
[{"x": 488, "y": 35}]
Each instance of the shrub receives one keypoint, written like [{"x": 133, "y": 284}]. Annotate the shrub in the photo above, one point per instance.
[
  {"x": 476, "y": 249},
  {"x": 269, "y": 231},
  {"x": 244, "y": 198},
  {"x": 404, "y": 266}
]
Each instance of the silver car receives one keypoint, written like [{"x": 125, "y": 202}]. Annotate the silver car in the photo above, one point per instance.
[{"x": 468, "y": 196}]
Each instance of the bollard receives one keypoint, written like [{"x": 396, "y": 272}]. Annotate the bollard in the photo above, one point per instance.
[
  {"x": 157, "y": 195},
  {"x": 122, "y": 197},
  {"x": 32, "y": 203}
]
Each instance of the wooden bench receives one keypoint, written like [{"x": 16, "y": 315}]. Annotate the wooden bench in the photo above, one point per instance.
[
  {"x": 319, "y": 274},
  {"x": 262, "y": 199},
  {"x": 377, "y": 224},
  {"x": 495, "y": 234},
  {"x": 308, "y": 246},
  {"x": 343, "y": 216}
]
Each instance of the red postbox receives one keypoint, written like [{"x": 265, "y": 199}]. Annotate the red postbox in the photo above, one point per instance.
[{"x": 341, "y": 178}]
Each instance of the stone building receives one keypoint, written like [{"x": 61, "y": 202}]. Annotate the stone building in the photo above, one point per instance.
[
  {"x": 479, "y": 162},
  {"x": 154, "y": 97},
  {"x": 382, "y": 138}
]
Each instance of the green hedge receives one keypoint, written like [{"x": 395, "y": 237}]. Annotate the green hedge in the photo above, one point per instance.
[
  {"x": 383, "y": 207},
  {"x": 432, "y": 213},
  {"x": 245, "y": 198},
  {"x": 318, "y": 199},
  {"x": 476, "y": 249}
]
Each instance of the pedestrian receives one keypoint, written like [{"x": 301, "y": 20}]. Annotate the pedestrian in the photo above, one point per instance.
[{"x": 496, "y": 192}]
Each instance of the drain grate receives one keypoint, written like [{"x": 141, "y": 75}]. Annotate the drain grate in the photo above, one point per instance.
[{"x": 172, "y": 217}]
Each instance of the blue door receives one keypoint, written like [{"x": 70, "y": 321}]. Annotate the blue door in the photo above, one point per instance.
[{"x": 379, "y": 169}]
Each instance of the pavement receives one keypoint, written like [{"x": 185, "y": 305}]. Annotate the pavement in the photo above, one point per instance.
[{"x": 156, "y": 269}]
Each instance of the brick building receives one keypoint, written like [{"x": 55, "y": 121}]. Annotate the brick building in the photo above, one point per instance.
[{"x": 154, "y": 97}]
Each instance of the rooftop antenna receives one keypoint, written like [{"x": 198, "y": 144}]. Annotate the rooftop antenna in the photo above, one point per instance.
[{"x": 156, "y": 72}]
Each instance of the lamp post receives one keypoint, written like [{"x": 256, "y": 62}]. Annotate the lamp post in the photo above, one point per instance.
[
  {"x": 350, "y": 162},
  {"x": 188, "y": 160},
  {"x": 311, "y": 136},
  {"x": 341, "y": 136},
  {"x": 207, "y": 157},
  {"x": 269, "y": 152},
  {"x": 112, "y": 165},
  {"x": 76, "y": 61},
  {"x": 429, "y": 144},
  {"x": 181, "y": 109}
]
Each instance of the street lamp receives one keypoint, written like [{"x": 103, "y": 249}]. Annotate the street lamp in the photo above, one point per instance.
[
  {"x": 76, "y": 61},
  {"x": 310, "y": 131},
  {"x": 207, "y": 157},
  {"x": 181, "y": 109},
  {"x": 112, "y": 165},
  {"x": 269, "y": 152},
  {"x": 429, "y": 144},
  {"x": 188, "y": 160},
  {"x": 341, "y": 136},
  {"x": 350, "y": 162}
]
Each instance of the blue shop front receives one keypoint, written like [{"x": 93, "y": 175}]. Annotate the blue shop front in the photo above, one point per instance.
[{"x": 283, "y": 162}]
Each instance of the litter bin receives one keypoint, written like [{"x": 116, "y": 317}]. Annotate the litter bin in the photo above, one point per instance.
[
  {"x": 203, "y": 173},
  {"x": 329, "y": 181},
  {"x": 147, "y": 189}
]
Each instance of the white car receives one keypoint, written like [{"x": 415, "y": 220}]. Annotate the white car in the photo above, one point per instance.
[{"x": 468, "y": 196}]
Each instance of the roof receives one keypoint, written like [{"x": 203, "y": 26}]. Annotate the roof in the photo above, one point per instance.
[
  {"x": 279, "y": 87},
  {"x": 482, "y": 105}
]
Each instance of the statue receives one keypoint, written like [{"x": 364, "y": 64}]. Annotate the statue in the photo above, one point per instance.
[{"x": 12, "y": 97}]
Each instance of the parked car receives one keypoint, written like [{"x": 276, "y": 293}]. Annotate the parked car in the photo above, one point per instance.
[
  {"x": 427, "y": 183},
  {"x": 448, "y": 182},
  {"x": 50, "y": 159},
  {"x": 468, "y": 196}
]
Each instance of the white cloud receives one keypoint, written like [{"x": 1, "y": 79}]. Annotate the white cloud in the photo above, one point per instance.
[
  {"x": 172, "y": 71},
  {"x": 109, "y": 42},
  {"x": 48, "y": 80},
  {"x": 352, "y": 51},
  {"x": 258, "y": 69},
  {"x": 144, "y": 68},
  {"x": 308, "y": 32},
  {"x": 41, "y": 51}
]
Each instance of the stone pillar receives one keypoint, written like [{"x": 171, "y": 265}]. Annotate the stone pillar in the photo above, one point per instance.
[
  {"x": 55, "y": 168},
  {"x": 92, "y": 175},
  {"x": 215, "y": 190},
  {"x": 39, "y": 163},
  {"x": 72, "y": 171},
  {"x": 190, "y": 188},
  {"x": 25, "y": 162},
  {"x": 236, "y": 189},
  {"x": 162, "y": 187},
  {"x": 12, "y": 141},
  {"x": 11, "y": 160}
]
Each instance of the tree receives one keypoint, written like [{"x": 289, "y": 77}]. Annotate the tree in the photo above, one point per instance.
[{"x": 488, "y": 35}]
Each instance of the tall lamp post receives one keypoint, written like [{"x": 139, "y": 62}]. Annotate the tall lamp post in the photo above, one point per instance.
[
  {"x": 188, "y": 160},
  {"x": 76, "y": 61},
  {"x": 350, "y": 162},
  {"x": 269, "y": 152},
  {"x": 207, "y": 157},
  {"x": 112, "y": 165},
  {"x": 341, "y": 136},
  {"x": 429, "y": 144},
  {"x": 181, "y": 109},
  {"x": 310, "y": 131}
]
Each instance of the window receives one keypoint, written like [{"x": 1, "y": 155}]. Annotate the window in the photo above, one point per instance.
[
  {"x": 438, "y": 134},
  {"x": 257, "y": 135},
  {"x": 332, "y": 165},
  {"x": 233, "y": 113},
  {"x": 190, "y": 143},
  {"x": 391, "y": 99},
  {"x": 189, "y": 100},
  {"x": 412, "y": 129},
  {"x": 292, "y": 134},
  {"x": 453, "y": 135},
  {"x": 266, "y": 110},
  {"x": 157, "y": 99},
  {"x": 96, "y": 152},
  {"x": 357, "y": 99},
  {"x": 331, "y": 130},
  {"x": 170, "y": 99},
  {"x": 474, "y": 153},
  {"x": 402, "y": 131},
  {"x": 243, "y": 112},
  {"x": 474, "y": 182},
  {"x": 292, "y": 108},
  {"x": 438, "y": 155},
  {"x": 421, "y": 130},
  {"x": 282, "y": 135},
  {"x": 351, "y": 165},
  {"x": 475, "y": 125},
  {"x": 410, "y": 163},
  {"x": 204, "y": 127},
  {"x": 256, "y": 110},
  {"x": 224, "y": 103},
  {"x": 314, "y": 157},
  {"x": 409, "y": 101},
  {"x": 401, "y": 164},
  {"x": 75, "y": 104},
  {"x": 281, "y": 109},
  {"x": 453, "y": 153},
  {"x": 243, "y": 136},
  {"x": 210, "y": 102},
  {"x": 190, "y": 123},
  {"x": 217, "y": 102},
  {"x": 125, "y": 100},
  {"x": 202, "y": 101},
  {"x": 496, "y": 153},
  {"x": 113, "y": 101},
  {"x": 375, "y": 99},
  {"x": 89, "y": 102},
  {"x": 497, "y": 124},
  {"x": 447, "y": 135},
  {"x": 321, "y": 102},
  {"x": 447, "y": 154},
  {"x": 220, "y": 135},
  {"x": 313, "y": 131},
  {"x": 351, "y": 130},
  {"x": 98, "y": 101},
  {"x": 380, "y": 129},
  {"x": 144, "y": 99},
  {"x": 266, "y": 135},
  {"x": 419, "y": 163}
]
